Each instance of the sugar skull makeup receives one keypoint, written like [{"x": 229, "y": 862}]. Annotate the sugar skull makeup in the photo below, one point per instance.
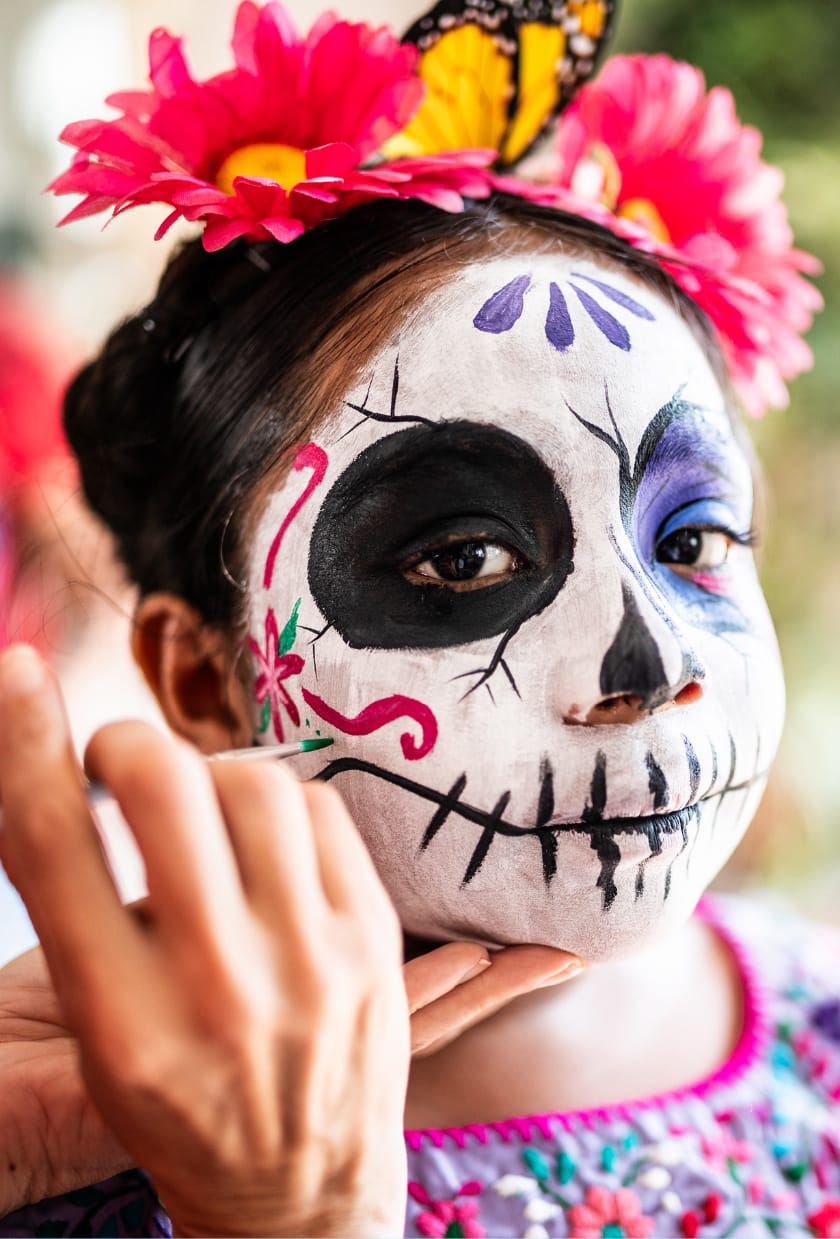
[{"x": 511, "y": 576}]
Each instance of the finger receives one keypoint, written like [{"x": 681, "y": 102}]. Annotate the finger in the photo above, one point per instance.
[
  {"x": 348, "y": 876},
  {"x": 515, "y": 971},
  {"x": 167, "y": 796},
  {"x": 50, "y": 845},
  {"x": 437, "y": 972},
  {"x": 270, "y": 828}
]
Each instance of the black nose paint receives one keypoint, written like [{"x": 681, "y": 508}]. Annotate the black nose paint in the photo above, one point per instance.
[
  {"x": 418, "y": 489},
  {"x": 633, "y": 665}
]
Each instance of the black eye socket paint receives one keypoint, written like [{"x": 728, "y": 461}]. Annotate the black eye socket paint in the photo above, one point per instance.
[{"x": 412, "y": 490}]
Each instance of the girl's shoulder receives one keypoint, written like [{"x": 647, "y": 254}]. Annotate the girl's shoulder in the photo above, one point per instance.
[{"x": 754, "y": 1149}]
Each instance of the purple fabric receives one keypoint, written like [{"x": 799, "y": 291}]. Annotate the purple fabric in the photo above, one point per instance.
[{"x": 752, "y": 1151}]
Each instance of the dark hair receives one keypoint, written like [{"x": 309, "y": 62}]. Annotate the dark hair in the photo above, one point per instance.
[{"x": 193, "y": 401}]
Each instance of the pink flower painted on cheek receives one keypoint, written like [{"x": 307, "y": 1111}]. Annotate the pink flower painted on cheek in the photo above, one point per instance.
[{"x": 275, "y": 665}]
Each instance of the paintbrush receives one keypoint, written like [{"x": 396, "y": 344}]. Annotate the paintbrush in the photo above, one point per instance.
[
  {"x": 99, "y": 796},
  {"x": 124, "y": 859}
]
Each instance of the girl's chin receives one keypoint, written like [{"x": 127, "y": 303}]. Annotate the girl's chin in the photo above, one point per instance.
[{"x": 573, "y": 921}]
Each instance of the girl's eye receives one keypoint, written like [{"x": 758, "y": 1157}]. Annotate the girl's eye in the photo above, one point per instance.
[
  {"x": 689, "y": 551},
  {"x": 465, "y": 565}
]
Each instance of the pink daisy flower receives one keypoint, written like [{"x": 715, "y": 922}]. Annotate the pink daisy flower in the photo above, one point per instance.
[
  {"x": 276, "y": 145},
  {"x": 609, "y": 1213},
  {"x": 449, "y": 1218},
  {"x": 648, "y": 152},
  {"x": 276, "y": 664}
]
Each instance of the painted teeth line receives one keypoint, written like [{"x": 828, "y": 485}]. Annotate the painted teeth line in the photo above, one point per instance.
[{"x": 604, "y": 834}]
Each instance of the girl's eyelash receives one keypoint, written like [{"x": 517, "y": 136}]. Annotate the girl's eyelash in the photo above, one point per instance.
[
  {"x": 419, "y": 557},
  {"x": 749, "y": 538}
]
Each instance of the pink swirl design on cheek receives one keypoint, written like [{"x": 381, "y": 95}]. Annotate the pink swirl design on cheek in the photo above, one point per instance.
[
  {"x": 313, "y": 457},
  {"x": 379, "y": 714}
]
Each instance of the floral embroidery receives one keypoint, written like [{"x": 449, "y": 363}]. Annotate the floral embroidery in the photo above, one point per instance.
[
  {"x": 449, "y": 1219},
  {"x": 609, "y": 1215},
  {"x": 277, "y": 664},
  {"x": 722, "y": 1152},
  {"x": 825, "y": 1222}
]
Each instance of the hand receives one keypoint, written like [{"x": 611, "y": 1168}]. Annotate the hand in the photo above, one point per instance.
[
  {"x": 454, "y": 987},
  {"x": 52, "y": 1138},
  {"x": 248, "y": 1042}
]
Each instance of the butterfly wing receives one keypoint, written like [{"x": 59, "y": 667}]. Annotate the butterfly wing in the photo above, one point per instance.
[
  {"x": 498, "y": 71},
  {"x": 468, "y": 67}
]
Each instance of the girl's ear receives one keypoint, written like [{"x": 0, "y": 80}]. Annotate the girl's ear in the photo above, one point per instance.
[{"x": 192, "y": 670}]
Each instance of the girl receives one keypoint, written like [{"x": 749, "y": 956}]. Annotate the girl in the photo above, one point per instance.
[{"x": 465, "y": 491}]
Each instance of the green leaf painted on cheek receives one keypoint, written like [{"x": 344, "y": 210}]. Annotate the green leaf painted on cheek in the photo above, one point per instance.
[
  {"x": 265, "y": 717},
  {"x": 289, "y": 634}
]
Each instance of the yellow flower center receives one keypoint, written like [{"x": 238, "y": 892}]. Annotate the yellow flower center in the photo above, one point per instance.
[
  {"x": 598, "y": 178},
  {"x": 642, "y": 211},
  {"x": 272, "y": 161}
]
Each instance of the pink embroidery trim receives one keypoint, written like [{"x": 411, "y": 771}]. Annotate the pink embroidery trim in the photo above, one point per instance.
[
  {"x": 753, "y": 1041},
  {"x": 310, "y": 456},
  {"x": 380, "y": 714}
]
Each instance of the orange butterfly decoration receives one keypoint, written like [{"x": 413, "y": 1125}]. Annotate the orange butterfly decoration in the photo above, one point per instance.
[{"x": 497, "y": 72}]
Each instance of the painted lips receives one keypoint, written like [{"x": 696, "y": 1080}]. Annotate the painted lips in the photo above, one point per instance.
[{"x": 655, "y": 825}]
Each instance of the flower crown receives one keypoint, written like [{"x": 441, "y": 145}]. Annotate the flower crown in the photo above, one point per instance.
[{"x": 305, "y": 128}]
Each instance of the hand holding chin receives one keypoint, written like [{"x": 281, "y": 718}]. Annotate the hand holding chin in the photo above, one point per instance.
[{"x": 453, "y": 987}]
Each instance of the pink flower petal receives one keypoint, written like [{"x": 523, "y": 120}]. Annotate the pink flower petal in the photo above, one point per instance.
[
  {"x": 167, "y": 66},
  {"x": 430, "y": 1225},
  {"x": 684, "y": 151}
]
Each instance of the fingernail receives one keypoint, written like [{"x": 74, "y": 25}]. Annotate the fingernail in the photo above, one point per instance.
[
  {"x": 21, "y": 671},
  {"x": 476, "y": 970},
  {"x": 563, "y": 974}
]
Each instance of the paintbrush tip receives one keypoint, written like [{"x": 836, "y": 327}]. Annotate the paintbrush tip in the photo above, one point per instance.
[{"x": 310, "y": 746}]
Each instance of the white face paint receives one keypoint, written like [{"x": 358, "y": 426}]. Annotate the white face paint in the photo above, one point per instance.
[{"x": 525, "y": 616}]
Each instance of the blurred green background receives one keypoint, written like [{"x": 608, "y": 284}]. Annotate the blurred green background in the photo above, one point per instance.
[{"x": 782, "y": 62}]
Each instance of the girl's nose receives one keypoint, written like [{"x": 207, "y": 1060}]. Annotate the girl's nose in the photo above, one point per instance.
[
  {"x": 648, "y": 666},
  {"x": 629, "y": 708}
]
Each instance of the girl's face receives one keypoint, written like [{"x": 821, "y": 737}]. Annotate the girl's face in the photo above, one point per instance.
[{"x": 511, "y": 577}]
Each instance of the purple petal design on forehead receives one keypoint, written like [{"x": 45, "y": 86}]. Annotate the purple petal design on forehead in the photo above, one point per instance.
[
  {"x": 559, "y": 327},
  {"x": 616, "y": 295},
  {"x": 608, "y": 326},
  {"x": 504, "y": 308}
]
